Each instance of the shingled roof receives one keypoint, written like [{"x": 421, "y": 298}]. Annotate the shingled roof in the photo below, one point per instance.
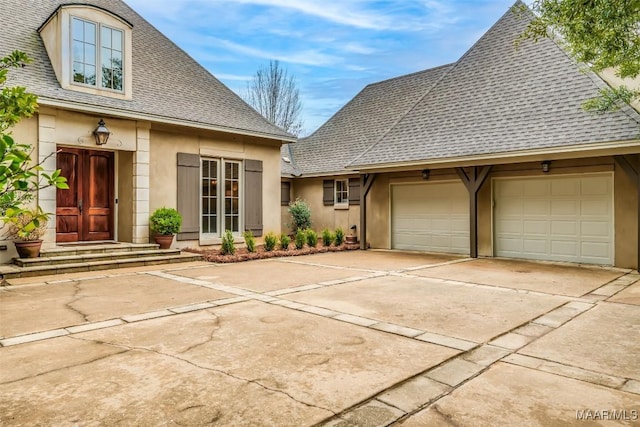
[
  {"x": 167, "y": 83},
  {"x": 361, "y": 122},
  {"x": 497, "y": 100}
]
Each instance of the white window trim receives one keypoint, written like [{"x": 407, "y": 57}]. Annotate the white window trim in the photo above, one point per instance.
[
  {"x": 336, "y": 204},
  {"x": 98, "y": 86},
  {"x": 216, "y": 238}
]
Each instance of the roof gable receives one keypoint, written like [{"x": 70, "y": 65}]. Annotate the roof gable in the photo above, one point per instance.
[
  {"x": 362, "y": 121},
  {"x": 499, "y": 99},
  {"x": 167, "y": 82}
]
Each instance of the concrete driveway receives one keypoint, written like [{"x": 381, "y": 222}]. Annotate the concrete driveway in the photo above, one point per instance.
[{"x": 354, "y": 338}]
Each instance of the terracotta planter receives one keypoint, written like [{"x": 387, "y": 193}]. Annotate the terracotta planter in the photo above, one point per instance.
[
  {"x": 28, "y": 249},
  {"x": 164, "y": 240},
  {"x": 350, "y": 240}
]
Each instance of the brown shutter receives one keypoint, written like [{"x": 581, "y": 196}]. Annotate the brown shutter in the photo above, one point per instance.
[
  {"x": 285, "y": 193},
  {"x": 327, "y": 192},
  {"x": 354, "y": 191},
  {"x": 253, "y": 196},
  {"x": 189, "y": 195}
]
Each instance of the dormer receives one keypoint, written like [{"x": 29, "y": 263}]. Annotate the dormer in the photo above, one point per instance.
[{"x": 90, "y": 50}]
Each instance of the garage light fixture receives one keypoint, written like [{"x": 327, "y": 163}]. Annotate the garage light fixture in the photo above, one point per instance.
[
  {"x": 425, "y": 174},
  {"x": 101, "y": 133},
  {"x": 546, "y": 165}
]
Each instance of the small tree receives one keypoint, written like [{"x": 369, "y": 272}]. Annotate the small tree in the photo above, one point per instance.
[
  {"x": 300, "y": 215},
  {"x": 20, "y": 178},
  {"x": 275, "y": 95}
]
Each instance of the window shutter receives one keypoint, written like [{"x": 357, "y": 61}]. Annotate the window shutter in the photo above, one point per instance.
[
  {"x": 189, "y": 195},
  {"x": 354, "y": 191},
  {"x": 285, "y": 193},
  {"x": 327, "y": 192},
  {"x": 253, "y": 196}
]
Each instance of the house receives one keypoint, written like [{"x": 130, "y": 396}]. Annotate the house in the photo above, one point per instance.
[
  {"x": 177, "y": 137},
  {"x": 489, "y": 156}
]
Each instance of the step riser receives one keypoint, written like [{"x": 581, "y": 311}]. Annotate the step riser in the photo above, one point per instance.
[
  {"x": 115, "y": 256},
  {"x": 101, "y": 265},
  {"x": 79, "y": 250}
]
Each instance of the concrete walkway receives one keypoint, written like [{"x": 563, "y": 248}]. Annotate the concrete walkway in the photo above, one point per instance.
[{"x": 357, "y": 338}]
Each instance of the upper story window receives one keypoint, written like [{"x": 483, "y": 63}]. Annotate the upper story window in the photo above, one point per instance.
[
  {"x": 95, "y": 44},
  {"x": 90, "y": 50}
]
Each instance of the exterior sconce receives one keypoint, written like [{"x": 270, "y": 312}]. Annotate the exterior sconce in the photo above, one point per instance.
[
  {"x": 101, "y": 133},
  {"x": 546, "y": 165},
  {"x": 425, "y": 174}
]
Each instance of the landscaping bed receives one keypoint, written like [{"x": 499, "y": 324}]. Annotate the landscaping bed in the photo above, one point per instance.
[{"x": 242, "y": 254}]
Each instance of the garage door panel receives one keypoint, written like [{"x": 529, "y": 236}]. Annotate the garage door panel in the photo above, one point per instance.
[
  {"x": 564, "y": 207},
  {"x": 430, "y": 217},
  {"x": 534, "y": 188},
  {"x": 536, "y": 207},
  {"x": 572, "y": 221}
]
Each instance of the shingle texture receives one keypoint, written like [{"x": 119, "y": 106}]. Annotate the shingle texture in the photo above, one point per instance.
[
  {"x": 361, "y": 122},
  {"x": 497, "y": 99},
  {"x": 167, "y": 82}
]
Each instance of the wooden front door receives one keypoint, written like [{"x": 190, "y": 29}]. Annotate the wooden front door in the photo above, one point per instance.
[{"x": 84, "y": 212}]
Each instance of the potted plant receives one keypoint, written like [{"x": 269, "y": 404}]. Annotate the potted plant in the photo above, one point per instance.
[
  {"x": 26, "y": 228},
  {"x": 165, "y": 223}
]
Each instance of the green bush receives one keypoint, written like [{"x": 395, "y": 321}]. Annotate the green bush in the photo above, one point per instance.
[
  {"x": 300, "y": 239},
  {"x": 249, "y": 240},
  {"x": 327, "y": 237},
  {"x": 228, "y": 244},
  {"x": 312, "y": 238},
  {"x": 284, "y": 241},
  {"x": 339, "y": 236},
  {"x": 165, "y": 221},
  {"x": 270, "y": 241},
  {"x": 300, "y": 215}
]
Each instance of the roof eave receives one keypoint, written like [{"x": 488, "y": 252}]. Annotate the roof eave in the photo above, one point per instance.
[
  {"x": 554, "y": 153},
  {"x": 117, "y": 112}
]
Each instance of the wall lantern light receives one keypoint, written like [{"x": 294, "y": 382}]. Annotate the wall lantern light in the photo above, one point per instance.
[
  {"x": 101, "y": 133},
  {"x": 546, "y": 165},
  {"x": 425, "y": 174}
]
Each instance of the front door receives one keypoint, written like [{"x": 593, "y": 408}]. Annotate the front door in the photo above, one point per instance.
[{"x": 84, "y": 212}]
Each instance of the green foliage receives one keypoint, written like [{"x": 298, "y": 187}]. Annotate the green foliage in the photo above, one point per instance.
[
  {"x": 339, "y": 236},
  {"x": 270, "y": 241},
  {"x": 165, "y": 221},
  {"x": 284, "y": 241},
  {"x": 20, "y": 178},
  {"x": 300, "y": 239},
  {"x": 27, "y": 225},
  {"x": 300, "y": 215},
  {"x": 610, "y": 99},
  {"x": 600, "y": 33},
  {"x": 249, "y": 240},
  {"x": 312, "y": 238},
  {"x": 228, "y": 244},
  {"x": 327, "y": 237}
]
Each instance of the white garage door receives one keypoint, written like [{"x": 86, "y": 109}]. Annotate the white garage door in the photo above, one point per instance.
[
  {"x": 559, "y": 218},
  {"x": 430, "y": 217}
]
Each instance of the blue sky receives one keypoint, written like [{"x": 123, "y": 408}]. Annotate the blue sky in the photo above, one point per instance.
[{"x": 334, "y": 48}]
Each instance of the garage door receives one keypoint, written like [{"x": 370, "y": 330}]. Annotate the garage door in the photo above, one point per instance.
[
  {"x": 430, "y": 217},
  {"x": 559, "y": 219}
]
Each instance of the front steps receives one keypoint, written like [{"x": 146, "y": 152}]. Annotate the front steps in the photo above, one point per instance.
[{"x": 78, "y": 258}]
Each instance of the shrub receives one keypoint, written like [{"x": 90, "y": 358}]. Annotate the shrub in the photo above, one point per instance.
[
  {"x": 165, "y": 221},
  {"x": 339, "y": 236},
  {"x": 300, "y": 239},
  {"x": 228, "y": 244},
  {"x": 300, "y": 214},
  {"x": 27, "y": 225},
  {"x": 327, "y": 237},
  {"x": 284, "y": 241},
  {"x": 270, "y": 241},
  {"x": 249, "y": 240},
  {"x": 312, "y": 238}
]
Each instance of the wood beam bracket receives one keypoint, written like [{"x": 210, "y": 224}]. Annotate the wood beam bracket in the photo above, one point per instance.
[
  {"x": 366, "y": 181},
  {"x": 473, "y": 181}
]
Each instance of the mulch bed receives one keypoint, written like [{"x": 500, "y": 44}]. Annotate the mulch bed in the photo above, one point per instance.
[{"x": 213, "y": 255}]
